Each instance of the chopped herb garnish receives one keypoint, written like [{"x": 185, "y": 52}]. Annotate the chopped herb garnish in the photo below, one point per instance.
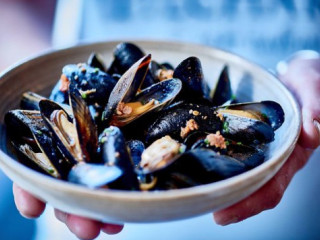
[
  {"x": 225, "y": 127},
  {"x": 83, "y": 95},
  {"x": 206, "y": 141},
  {"x": 182, "y": 148},
  {"x": 239, "y": 143},
  {"x": 264, "y": 115},
  {"x": 103, "y": 139},
  {"x": 39, "y": 132},
  {"x": 227, "y": 142},
  {"x": 103, "y": 115}
]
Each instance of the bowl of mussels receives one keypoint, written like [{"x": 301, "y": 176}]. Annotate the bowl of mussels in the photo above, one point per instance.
[{"x": 143, "y": 131}]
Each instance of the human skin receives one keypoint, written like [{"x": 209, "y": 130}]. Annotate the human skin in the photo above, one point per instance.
[
  {"x": 299, "y": 71},
  {"x": 302, "y": 77}
]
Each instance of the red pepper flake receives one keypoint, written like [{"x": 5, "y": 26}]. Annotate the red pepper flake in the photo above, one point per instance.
[
  {"x": 190, "y": 126},
  {"x": 217, "y": 140},
  {"x": 64, "y": 86}
]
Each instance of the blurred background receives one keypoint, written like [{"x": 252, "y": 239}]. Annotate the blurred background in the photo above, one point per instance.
[{"x": 263, "y": 31}]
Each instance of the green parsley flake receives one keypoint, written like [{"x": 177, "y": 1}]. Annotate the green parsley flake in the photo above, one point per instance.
[
  {"x": 39, "y": 132},
  {"x": 182, "y": 149},
  {"x": 83, "y": 95},
  {"x": 225, "y": 127}
]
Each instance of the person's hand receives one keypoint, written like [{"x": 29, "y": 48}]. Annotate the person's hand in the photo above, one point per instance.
[
  {"x": 302, "y": 77},
  {"x": 84, "y": 228}
]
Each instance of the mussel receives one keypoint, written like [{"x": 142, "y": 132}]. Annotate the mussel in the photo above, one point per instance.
[
  {"x": 115, "y": 152},
  {"x": 188, "y": 169},
  {"x": 189, "y": 71},
  {"x": 124, "y": 105},
  {"x": 93, "y": 84},
  {"x": 32, "y": 139}
]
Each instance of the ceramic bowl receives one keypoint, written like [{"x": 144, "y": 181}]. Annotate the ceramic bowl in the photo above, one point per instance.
[{"x": 249, "y": 82}]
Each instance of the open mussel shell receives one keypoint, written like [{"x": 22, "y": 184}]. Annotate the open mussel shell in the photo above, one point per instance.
[
  {"x": 251, "y": 123},
  {"x": 127, "y": 86},
  {"x": 269, "y": 112},
  {"x": 189, "y": 71},
  {"x": 35, "y": 142},
  {"x": 62, "y": 129},
  {"x": 153, "y": 98},
  {"x": 171, "y": 121},
  {"x": 222, "y": 93},
  {"x": 160, "y": 72},
  {"x": 114, "y": 152},
  {"x": 196, "y": 167},
  {"x": 30, "y": 101},
  {"x": 85, "y": 126}
]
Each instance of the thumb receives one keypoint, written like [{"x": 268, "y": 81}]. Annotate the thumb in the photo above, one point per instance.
[{"x": 302, "y": 76}]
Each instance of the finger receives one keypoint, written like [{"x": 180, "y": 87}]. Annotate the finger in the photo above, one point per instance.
[
  {"x": 83, "y": 228},
  {"x": 302, "y": 76},
  {"x": 268, "y": 196},
  {"x": 60, "y": 215},
  {"x": 27, "y": 205},
  {"x": 111, "y": 228}
]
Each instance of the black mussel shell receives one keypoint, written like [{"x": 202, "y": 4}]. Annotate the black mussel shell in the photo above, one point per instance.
[
  {"x": 170, "y": 121},
  {"x": 86, "y": 128},
  {"x": 246, "y": 130},
  {"x": 160, "y": 72},
  {"x": 125, "y": 55},
  {"x": 189, "y": 71},
  {"x": 195, "y": 137},
  {"x": 94, "y": 85},
  {"x": 47, "y": 107},
  {"x": 222, "y": 93},
  {"x": 196, "y": 167},
  {"x": 136, "y": 148},
  {"x": 95, "y": 61},
  {"x": 30, "y": 101},
  {"x": 114, "y": 152},
  {"x": 269, "y": 112},
  {"x": 31, "y": 137},
  {"x": 167, "y": 66},
  {"x": 249, "y": 155}
]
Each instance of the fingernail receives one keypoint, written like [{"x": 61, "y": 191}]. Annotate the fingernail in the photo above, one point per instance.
[
  {"x": 223, "y": 221},
  {"x": 316, "y": 123},
  {"x": 62, "y": 216}
]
